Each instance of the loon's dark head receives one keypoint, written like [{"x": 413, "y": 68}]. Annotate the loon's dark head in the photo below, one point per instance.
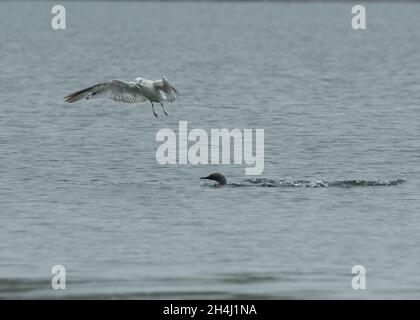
[{"x": 220, "y": 178}]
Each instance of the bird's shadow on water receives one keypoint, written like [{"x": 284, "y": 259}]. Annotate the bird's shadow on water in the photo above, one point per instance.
[{"x": 283, "y": 183}]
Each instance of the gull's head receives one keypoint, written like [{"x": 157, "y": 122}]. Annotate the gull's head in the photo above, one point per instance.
[{"x": 138, "y": 79}]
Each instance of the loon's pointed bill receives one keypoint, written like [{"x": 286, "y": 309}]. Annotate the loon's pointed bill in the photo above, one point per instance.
[{"x": 137, "y": 91}]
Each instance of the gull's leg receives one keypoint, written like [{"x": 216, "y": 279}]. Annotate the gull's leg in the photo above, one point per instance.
[
  {"x": 153, "y": 108},
  {"x": 163, "y": 108}
]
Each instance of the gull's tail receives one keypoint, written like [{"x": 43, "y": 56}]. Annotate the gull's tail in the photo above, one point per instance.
[{"x": 79, "y": 95}]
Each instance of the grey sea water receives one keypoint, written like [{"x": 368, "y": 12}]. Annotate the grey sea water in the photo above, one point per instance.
[{"x": 80, "y": 185}]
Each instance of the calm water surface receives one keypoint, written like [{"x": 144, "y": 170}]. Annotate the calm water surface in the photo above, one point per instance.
[{"x": 80, "y": 185}]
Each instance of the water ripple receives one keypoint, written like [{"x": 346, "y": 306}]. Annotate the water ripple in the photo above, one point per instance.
[{"x": 269, "y": 183}]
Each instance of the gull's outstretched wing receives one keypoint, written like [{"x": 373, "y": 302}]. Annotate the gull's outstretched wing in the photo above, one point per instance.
[
  {"x": 170, "y": 93},
  {"x": 116, "y": 90}
]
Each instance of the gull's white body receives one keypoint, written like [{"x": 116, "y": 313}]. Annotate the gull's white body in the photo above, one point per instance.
[
  {"x": 153, "y": 90},
  {"x": 137, "y": 91}
]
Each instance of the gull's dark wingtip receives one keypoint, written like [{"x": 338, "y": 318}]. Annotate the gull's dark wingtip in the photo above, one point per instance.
[
  {"x": 68, "y": 99},
  {"x": 79, "y": 95}
]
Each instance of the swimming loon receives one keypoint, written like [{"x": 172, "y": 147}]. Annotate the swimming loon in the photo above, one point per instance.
[{"x": 220, "y": 178}]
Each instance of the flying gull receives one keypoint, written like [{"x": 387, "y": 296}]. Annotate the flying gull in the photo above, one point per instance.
[{"x": 137, "y": 91}]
